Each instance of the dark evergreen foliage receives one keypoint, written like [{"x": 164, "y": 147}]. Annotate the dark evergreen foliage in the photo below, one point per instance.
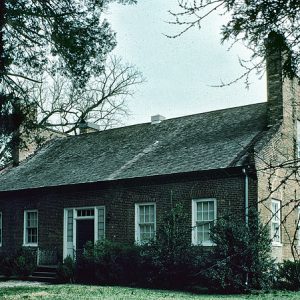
[
  {"x": 170, "y": 259},
  {"x": 288, "y": 275},
  {"x": 67, "y": 38},
  {"x": 241, "y": 259},
  {"x": 109, "y": 262},
  {"x": 20, "y": 264}
]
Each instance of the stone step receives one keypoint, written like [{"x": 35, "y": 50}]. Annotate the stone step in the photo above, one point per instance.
[
  {"x": 42, "y": 279},
  {"x": 44, "y": 274},
  {"x": 44, "y": 268}
]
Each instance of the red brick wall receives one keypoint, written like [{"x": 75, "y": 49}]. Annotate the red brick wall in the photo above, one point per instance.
[{"x": 119, "y": 199}]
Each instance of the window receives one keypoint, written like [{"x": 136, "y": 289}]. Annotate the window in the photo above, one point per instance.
[
  {"x": 145, "y": 222},
  {"x": 70, "y": 225},
  {"x": 275, "y": 222},
  {"x": 298, "y": 226},
  {"x": 30, "y": 228},
  {"x": 88, "y": 212},
  {"x": 204, "y": 214},
  {"x": 81, "y": 225},
  {"x": 101, "y": 223},
  {"x": 298, "y": 138},
  {"x": 0, "y": 228}
]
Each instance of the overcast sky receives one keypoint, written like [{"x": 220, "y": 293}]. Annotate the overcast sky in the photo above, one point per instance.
[{"x": 178, "y": 71}]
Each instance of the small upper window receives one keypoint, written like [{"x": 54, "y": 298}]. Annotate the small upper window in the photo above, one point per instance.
[
  {"x": 203, "y": 216},
  {"x": 275, "y": 222},
  {"x": 88, "y": 212},
  {"x": 145, "y": 222},
  {"x": 30, "y": 227}
]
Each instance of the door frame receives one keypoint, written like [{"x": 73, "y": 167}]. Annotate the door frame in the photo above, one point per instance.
[{"x": 75, "y": 218}]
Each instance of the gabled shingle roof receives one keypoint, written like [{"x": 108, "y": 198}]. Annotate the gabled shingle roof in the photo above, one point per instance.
[{"x": 211, "y": 140}]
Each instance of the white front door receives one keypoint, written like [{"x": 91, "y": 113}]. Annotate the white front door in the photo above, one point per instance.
[{"x": 77, "y": 216}]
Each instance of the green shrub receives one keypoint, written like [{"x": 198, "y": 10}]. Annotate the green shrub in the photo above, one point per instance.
[
  {"x": 288, "y": 275},
  {"x": 241, "y": 258},
  {"x": 66, "y": 271},
  {"x": 6, "y": 265},
  {"x": 24, "y": 262},
  {"x": 169, "y": 260},
  {"x": 109, "y": 262}
]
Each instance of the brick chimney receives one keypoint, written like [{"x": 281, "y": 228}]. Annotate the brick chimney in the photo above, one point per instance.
[
  {"x": 157, "y": 119},
  {"x": 274, "y": 62}
]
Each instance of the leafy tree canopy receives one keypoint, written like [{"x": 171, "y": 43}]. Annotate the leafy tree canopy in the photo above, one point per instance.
[
  {"x": 45, "y": 39},
  {"x": 66, "y": 36}
]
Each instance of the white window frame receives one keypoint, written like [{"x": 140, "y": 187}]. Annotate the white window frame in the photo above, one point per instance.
[
  {"x": 298, "y": 138},
  {"x": 1, "y": 228},
  {"x": 137, "y": 222},
  {"x": 75, "y": 218},
  {"x": 276, "y": 219},
  {"x": 298, "y": 226},
  {"x": 194, "y": 220},
  {"x": 25, "y": 228}
]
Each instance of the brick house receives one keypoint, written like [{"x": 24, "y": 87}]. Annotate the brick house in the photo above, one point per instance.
[{"x": 117, "y": 183}]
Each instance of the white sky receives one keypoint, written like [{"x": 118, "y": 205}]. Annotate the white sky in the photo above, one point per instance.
[{"x": 178, "y": 71}]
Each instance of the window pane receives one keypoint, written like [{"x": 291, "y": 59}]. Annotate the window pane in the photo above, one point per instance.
[
  {"x": 205, "y": 211},
  {"x": 151, "y": 213},
  {"x": 142, "y": 214},
  {"x": 205, "y": 215},
  {"x": 146, "y": 214},
  {"x": 31, "y": 227},
  {"x": 70, "y": 226},
  {"x": 205, "y": 207},
  {"x": 199, "y": 211},
  {"x": 32, "y": 235},
  {"x": 275, "y": 232},
  {"x": 200, "y": 237},
  {"x": 89, "y": 212},
  {"x": 275, "y": 221},
  {"x": 298, "y": 226},
  {"x": 203, "y": 232},
  {"x": 146, "y": 232},
  {"x": 32, "y": 219},
  {"x": 101, "y": 233},
  {"x": 146, "y": 222},
  {"x": 206, "y": 235},
  {"x": 298, "y": 137}
]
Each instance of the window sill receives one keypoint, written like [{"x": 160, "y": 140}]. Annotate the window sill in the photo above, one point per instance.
[
  {"x": 204, "y": 244},
  {"x": 30, "y": 245},
  {"x": 276, "y": 244},
  {"x": 141, "y": 243}
]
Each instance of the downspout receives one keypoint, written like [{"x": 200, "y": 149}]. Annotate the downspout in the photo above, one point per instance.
[
  {"x": 246, "y": 196},
  {"x": 246, "y": 210}
]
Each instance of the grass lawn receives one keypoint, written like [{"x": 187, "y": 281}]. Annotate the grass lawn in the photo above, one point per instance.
[{"x": 69, "y": 292}]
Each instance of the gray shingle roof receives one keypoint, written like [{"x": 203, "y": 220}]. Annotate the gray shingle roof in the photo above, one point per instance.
[{"x": 198, "y": 142}]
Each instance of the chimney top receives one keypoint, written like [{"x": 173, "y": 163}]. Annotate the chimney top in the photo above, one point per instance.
[
  {"x": 274, "y": 62},
  {"x": 157, "y": 119}
]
